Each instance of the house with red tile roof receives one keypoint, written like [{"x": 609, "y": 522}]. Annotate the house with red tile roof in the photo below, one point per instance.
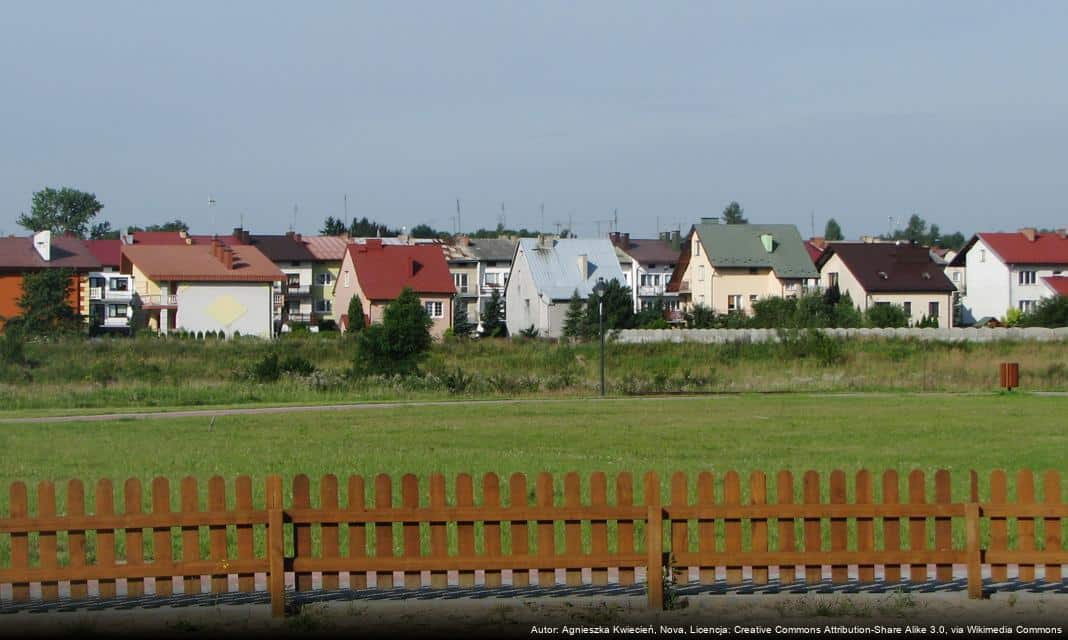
[
  {"x": 1005, "y": 271},
  {"x": 44, "y": 250},
  {"x": 110, "y": 292},
  {"x": 202, "y": 287},
  {"x": 378, "y": 272}
]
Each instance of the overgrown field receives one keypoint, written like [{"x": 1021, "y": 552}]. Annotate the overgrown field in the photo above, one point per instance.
[
  {"x": 744, "y": 433},
  {"x": 152, "y": 372}
]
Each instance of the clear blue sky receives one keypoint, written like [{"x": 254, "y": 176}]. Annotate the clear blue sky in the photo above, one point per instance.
[{"x": 856, "y": 110}]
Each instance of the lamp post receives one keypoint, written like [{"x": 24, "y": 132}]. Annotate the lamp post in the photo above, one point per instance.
[{"x": 598, "y": 290}]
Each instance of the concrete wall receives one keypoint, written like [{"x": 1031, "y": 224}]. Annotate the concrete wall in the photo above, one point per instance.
[
  {"x": 226, "y": 306},
  {"x": 719, "y": 336}
]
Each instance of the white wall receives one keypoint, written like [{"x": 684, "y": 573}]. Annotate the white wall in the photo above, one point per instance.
[
  {"x": 987, "y": 281},
  {"x": 522, "y": 303},
  {"x": 226, "y": 306}
]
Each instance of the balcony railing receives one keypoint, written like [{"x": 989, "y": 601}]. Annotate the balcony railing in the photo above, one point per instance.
[
  {"x": 104, "y": 293},
  {"x": 96, "y": 293},
  {"x": 488, "y": 289},
  {"x": 651, "y": 290},
  {"x": 157, "y": 300},
  {"x": 300, "y": 318},
  {"x": 299, "y": 290}
]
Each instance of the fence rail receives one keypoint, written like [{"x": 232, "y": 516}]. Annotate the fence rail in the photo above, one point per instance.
[{"x": 394, "y": 534}]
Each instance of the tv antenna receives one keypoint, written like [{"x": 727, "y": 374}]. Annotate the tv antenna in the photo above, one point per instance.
[
  {"x": 346, "y": 199},
  {"x": 458, "y": 227}
]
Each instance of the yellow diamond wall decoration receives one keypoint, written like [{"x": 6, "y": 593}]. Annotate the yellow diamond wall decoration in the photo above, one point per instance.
[{"x": 226, "y": 310}]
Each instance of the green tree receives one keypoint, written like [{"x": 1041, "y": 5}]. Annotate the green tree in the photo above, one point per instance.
[
  {"x": 172, "y": 225},
  {"x": 426, "y": 231},
  {"x": 64, "y": 210},
  {"x": 700, "y": 317},
  {"x": 364, "y": 228},
  {"x": 399, "y": 343},
  {"x": 885, "y": 316},
  {"x": 954, "y": 241},
  {"x": 103, "y": 231},
  {"x": 845, "y": 314},
  {"x": 734, "y": 214},
  {"x": 575, "y": 320},
  {"x": 44, "y": 302},
  {"x": 1049, "y": 312},
  {"x": 332, "y": 227},
  {"x": 493, "y": 325},
  {"x": 461, "y": 324},
  {"x": 832, "y": 232},
  {"x": 618, "y": 309},
  {"x": 357, "y": 320}
]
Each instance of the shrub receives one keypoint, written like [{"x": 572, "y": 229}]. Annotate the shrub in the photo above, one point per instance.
[
  {"x": 296, "y": 364},
  {"x": 811, "y": 343},
  {"x": 327, "y": 325},
  {"x": 267, "y": 369},
  {"x": 12, "y": 347},
  {"x": 399, "y": 343},
  {"x": 1049, "y": 312},
  {"x": 885, "y": 316},
  {"x": 356, "y": 317},
  {"x": 530, "y": 332},
  {"x": 456, "y": 380}
]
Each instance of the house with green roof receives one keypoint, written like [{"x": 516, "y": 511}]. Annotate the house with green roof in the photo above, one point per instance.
[{"x": 728, "y": 267}]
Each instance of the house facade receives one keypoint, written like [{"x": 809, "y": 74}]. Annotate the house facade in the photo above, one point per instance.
[
  {"x": 1005, "y": 271},
  {"x": 378, "y": 272},
  {"x": 463, "y": 265},
  {"x": 546, "y": 273},
  {"x": 293, "y": 299},
  {"x": 203, "y": 287},
  {"x": 44, "y": 250},
  {"x": 652, "y": 263},
  {"x": 494, "y": 266},
  {"x": 110, "y": 292},
  {"x": 875, "y": 273},
  {"x": 728, "y": 267}
]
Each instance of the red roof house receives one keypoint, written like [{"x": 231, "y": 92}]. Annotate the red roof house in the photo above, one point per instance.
[
  {"x": 108, "y": 252},
  {"x": 378, "y": 272}
]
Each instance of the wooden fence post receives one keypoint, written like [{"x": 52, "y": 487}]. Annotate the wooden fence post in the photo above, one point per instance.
[
  {"x": 975, "y": 567},
  {"x": 276, "y": 584},
  {"x": 654, "y": 542}
]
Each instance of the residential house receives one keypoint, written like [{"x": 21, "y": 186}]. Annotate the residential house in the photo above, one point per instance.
[
  {"x": 110, "y": 292},
  {"x": 875, "y": 273},
  {"x": 203, "y": 287},
  {"x": 728, "y": 267},
  {"x": 1005, "y": 271},
  {"x": 329, "y": 252},
  {"x": 494, "y": 264},
  {"x": 44, "y": 250},
  {"x": 652, "y": 262},
  {"x": 377, "y": 272},
  {"x": 292, "y": 296},
  {"x": 546, "y": 273},
  {"x": 463, "y": 265}
]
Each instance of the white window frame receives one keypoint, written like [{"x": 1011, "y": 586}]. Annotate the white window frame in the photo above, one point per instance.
[
  {"x": 115, "y": 308},
  {"x": 1026, "y": 306},
  {"x": 324, "y": 306},
  {"x": 734, "y": 302},
  {"x": 324, "y": 279},
  {"x": 460, "y": 281},
  {"x": 347, "y": 280},
  {"x": 1027, "y": 277},
  {"x": 434, "y": 308}
]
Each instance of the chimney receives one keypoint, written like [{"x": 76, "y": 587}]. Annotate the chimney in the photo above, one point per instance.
[
  {"x": 246, "y": 237},
  {"x": 183, "y": 234},
  {"x": 583, "y": 266},
  {"x": 298, "y": 237},
  {"x": 42, "y": 242},
  {"x": 237, "y": 232},
  {"x": 1029, "y": 233},
  {"x": 289, "y": 234},
  {"x": 373, "y": 243},
  {"x": 614, "y": 238},
  {"x": 1062, "y": 233},
  {"x": 676, "y": 240},
  {"x": 465, "y": 241},
  {"x": 227, "y": 257},
  {"x": 626, "y": 241},
  {"x": 768, "y": 241}
]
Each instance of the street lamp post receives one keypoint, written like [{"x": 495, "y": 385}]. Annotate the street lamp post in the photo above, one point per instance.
[{"x": 598, "y": 289}]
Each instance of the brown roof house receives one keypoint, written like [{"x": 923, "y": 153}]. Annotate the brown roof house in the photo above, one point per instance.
[
  {"x": 651, "y": 263},
  {"x": 44, "y": 250},
  {"x": 875, "y": 273},
  {"x": 203, "y": 287}
]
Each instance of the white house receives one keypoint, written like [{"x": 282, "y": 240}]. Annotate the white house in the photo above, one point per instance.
[
  {"x": 1009, "y": 271},
  {"x": 652, "y": 261},
  {"x": 546, "y": 273}
]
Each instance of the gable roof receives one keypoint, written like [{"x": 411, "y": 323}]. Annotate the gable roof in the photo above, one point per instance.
[
  {"x": 554, "y": 267},
  {"x": 493, "y": 249},
  {"x": 890, "y": 267},
  {"x": 180, "y": 237},
  {"x": 198, "y": 263},
  {"x": 814, "y": 250},
  {"x": 740, "y": 245},
  {"x": 108, "y": 252},
  {"x": 283, "y": 248},
  {"x": 651, "y": 251},
  {"x": 327, "y": 247},
  {"x": 1016, "y": 248},
  {"x": 384, "y": 270},
  {"x": 67, "y": 252},
  {"x": 1057, "y": 284}
]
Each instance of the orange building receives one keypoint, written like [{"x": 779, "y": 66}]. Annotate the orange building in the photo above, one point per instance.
[{"x": 22, "y": 255}]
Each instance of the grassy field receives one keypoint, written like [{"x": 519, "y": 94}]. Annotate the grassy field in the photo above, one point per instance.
[{"x": 153, "y": 373}]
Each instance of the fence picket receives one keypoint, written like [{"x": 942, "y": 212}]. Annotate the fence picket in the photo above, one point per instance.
[
  {"x": 706, "y": 527},
  {"x": 410, "y": 499},
  {"x": 162, "y": 543},
  {"x": 891, "y": 525},
  {"x": 438, "y": 541},
  {"x": 599, "y": 528},
  {"x": 543, "y": 493},
  {"x": 813, "y": 526},
  {"x": 625, "y": 528},
  {"x": 1051, "y": 492},
  {"x": 1025, "y": 527},
  {"x": 758, "y": 495},
  {"x": 330, "y": 533},
  {"x": 784, "y": 494},
  {"x": 302, "y": 540},
  {"x": 220, "y": 582},
  {"x": 135, "y": 538},
  {"x": 46, "y": 540},
  {"x": 654, "y": 541},
  {"x": 20, "y": 541},
  {"x": 517, "y": 498},
  {"x": 999, "y": 526},
  {"x": 917, "y": 525},
  {"x": 105, "y": 538},
  {"x": 865, "y": 526},
  {"x": 680, "y": 528},
  {"x": 383, "y": 530},
  {"x": 465, "y": 531},
  {"x": 357, "y": 531},
  {"x": 246, "y": 582},
  {"x": 573, "y": 527},
  {"x": 732, "y": 495},
  {"x": 839, "y": 572},
  {"x": 491, "y": 499},
  {"x": 943, "y": 525}
]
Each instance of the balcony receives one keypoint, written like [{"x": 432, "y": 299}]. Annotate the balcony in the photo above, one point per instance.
[
  {"x": 651, "y": 290},
  {"x": 158, "y": 301},
  {"x": 488, "y": 289},
  {"x": 300, "y": 318},
  {"x": 96, "y": 293},
  {"x": 298, "y": 291}
]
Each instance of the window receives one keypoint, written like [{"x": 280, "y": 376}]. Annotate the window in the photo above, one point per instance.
[
  {"x": 116, "y": 311},
  {"x": 324, "y": 279},
  {"x": 696, "y": 247},
  {"x": 433, "y": 309},
  {"x": 752, "y": 271},
  {"x": 96, "y": 282},
  {"x": 324, "y": 306},
  {"x": 932, "y": 310},
  {"x": 982, "y": 255},
  {"x": 1027, "y": 277},
  {"x": 734, "y": 303},
  {"x": 1027, "y": 305},
  {"x": 118, "y": 284},
  {"x": 752, "y": 299},
  {"x": 348, "y": 280},
  {"x": 700, "y": 273},
  {"x": 956, "y": 276},
  {"x": 293, "y": 280},
  {"x": 460, "y": 280},
  {"x": 494, "y": 279},
  {"x": 908, "y": 308},
  {"x": 832, "y": 279}
]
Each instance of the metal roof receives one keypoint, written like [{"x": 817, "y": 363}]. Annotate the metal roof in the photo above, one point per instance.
[
  {"x": 740, "y": 245},
  {"x": 554, "y": 267}
]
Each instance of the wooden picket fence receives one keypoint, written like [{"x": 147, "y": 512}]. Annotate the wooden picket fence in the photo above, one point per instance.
[{"x": 425, "y": 537}]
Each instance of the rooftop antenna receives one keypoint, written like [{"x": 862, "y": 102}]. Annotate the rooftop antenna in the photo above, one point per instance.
[
  {"x": 346, "y": 199},
  {"x": 812, "y": 222},
  {"x": 294, "y": 224},
  {"x": 615, "y": 220},
  {"x": 458, "y": 227},
  {"x": 211, "y": 207},
  {"x": 503, "y": 219},
  {"x": 242, "y": 219},
  {"x": 541, "y": 225},
  {"x": 570, "y": 223}
]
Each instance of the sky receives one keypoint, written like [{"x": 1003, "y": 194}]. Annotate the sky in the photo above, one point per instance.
[{"x": 650, "y": 113}]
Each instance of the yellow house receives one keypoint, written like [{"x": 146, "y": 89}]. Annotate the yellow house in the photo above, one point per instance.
[{"x": 728, "y": 267}]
